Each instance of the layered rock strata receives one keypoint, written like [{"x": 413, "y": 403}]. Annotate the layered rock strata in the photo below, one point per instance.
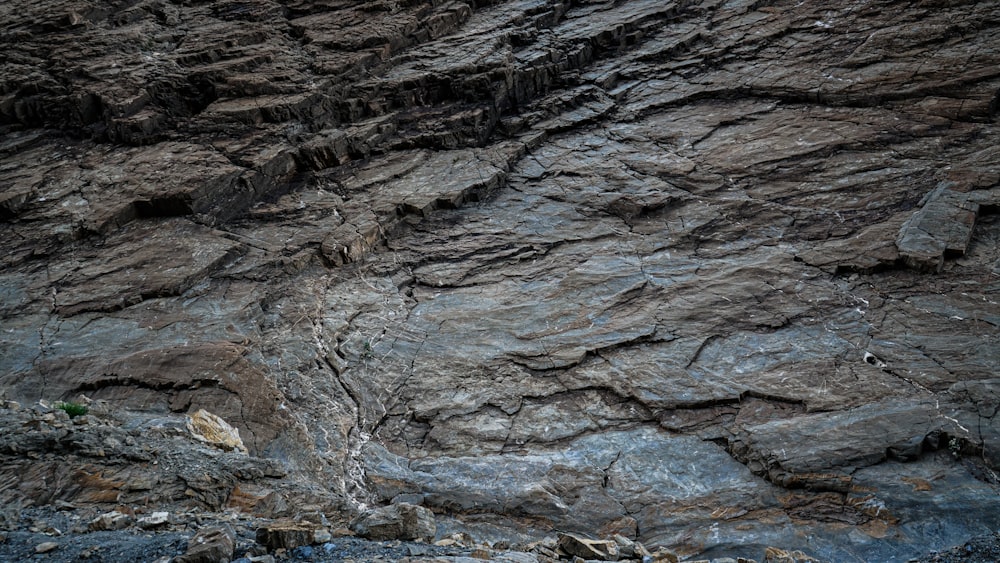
[{"x": 707, "y": 274}]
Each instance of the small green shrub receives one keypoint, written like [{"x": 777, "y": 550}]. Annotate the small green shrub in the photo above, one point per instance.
[{"x": 72, "y": 409}]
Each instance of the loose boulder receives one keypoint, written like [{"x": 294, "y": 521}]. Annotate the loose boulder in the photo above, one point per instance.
[
  {"x": 397, "y": 522},
  {"x": 210, "y": 429},
  {"x": 214, "y": 544}
]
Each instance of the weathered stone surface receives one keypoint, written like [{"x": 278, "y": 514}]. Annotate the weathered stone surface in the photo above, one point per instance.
[
  {"x": 708, "y": 273},
  {"x": 213, "y": 544},
  {"x": 291, "y": 534},
  {"x": 209, "y": 428},
  {"x": 942, "y": 227},
  {"x": 400, "y": 521},
  {"x": 597, "y": 550}
]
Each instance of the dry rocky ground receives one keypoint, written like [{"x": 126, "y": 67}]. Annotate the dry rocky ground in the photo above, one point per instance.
[{"x": 697, "y": 278}]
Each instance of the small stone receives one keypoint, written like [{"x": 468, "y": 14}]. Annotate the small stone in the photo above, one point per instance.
[
  {"x": 46, "y": 547},
  {"x": 262, "y": 559},
  {"x": 302, "y": 552},
  {"x": 322, "y": 535}
]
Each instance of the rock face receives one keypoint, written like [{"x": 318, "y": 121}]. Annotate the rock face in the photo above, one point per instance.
[{"x": 708, "y": 274}]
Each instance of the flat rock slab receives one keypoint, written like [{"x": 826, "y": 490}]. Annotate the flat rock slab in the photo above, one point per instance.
[
  {"x": 152, "y": 260},
  {"x": 942, "y": 227}
]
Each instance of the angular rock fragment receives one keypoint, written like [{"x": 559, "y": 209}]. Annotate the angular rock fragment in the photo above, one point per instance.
[
  {"x": 814, "y": 450},
  {"x": 209, "y": 428},
  {"x": 941, "y": 227},
  {"x": 397, "y": 522},
  {"x": 212, "y": 544}
]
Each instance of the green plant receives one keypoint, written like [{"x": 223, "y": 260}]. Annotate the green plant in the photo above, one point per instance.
[{"x": 72, "y": 409}]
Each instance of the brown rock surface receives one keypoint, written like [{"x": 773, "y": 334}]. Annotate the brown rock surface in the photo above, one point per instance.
[{"x": 710, "y": 273}]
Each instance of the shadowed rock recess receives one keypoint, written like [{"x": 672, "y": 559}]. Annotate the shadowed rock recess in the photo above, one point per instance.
[{"x": 712, "y": 275}]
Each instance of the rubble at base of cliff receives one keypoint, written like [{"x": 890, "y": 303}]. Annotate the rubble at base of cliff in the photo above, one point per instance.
[
  {"x": 177, "y": 530},
  {"x": 99, "y": 524}
]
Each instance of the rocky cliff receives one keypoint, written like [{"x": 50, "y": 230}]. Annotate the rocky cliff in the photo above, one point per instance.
[{"x": 709, "y": 274}]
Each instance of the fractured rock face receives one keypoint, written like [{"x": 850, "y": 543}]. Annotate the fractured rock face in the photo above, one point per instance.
[{"x": 706, "y": 273}]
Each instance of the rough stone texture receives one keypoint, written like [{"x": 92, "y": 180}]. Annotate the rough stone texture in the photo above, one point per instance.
[
  {"x": 213, "y": 544},
  {"x": 596, "y": 550},
  {"x": 710, "y": 274},
  {"x": 401, "y": 521},
  {"x": 210, "y": 429},
  {"x": 291, "y": 534}
]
